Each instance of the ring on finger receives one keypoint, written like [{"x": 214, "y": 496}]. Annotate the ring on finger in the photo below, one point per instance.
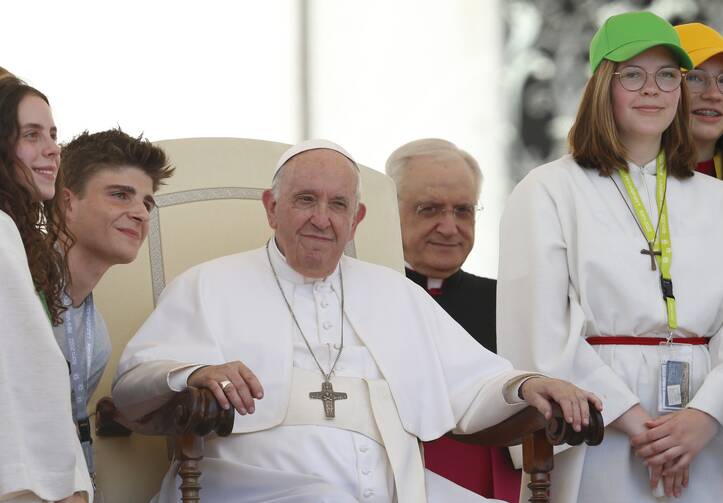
[{"x": 224, "y": 384}]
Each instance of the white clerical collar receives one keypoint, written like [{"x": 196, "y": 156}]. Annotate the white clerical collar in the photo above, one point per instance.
[
  {"x": 649, "y": 168},
  {"x": 287, "y": 273},
  {"x": 431, "y": 282}
]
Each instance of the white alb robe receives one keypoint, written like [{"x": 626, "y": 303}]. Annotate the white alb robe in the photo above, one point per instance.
[
  {"x": 231, "y": 309},
  {"x": 40, "y": 456},
  {"x": 571, "y": 267}
]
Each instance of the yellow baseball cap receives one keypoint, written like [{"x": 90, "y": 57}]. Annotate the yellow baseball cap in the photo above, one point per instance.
[{"x": 701, "y": 42}]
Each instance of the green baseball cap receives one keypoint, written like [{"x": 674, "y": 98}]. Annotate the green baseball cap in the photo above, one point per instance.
[{"x": 626, "y": 35}]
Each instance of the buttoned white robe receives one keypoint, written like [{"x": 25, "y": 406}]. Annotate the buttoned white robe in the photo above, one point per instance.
[
  {"x": 231, "y": 309},
  {"x": 40, "y": 456},
  {"x": 571, "y": 267}
]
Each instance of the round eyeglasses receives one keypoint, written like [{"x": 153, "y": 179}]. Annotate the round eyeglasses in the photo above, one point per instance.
[
  {"x": 634, "y": 78},
  {"x": 699, "y": 80}
]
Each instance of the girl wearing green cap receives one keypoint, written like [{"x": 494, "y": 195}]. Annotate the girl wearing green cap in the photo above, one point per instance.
[
  {"x": 705, "y": 87},
  {"x": 610, "y": 277}
]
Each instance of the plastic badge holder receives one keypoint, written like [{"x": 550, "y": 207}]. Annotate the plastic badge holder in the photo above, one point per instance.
[{"x": 676, "y": 361}]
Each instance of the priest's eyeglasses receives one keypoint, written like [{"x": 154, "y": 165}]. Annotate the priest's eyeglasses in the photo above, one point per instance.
[
  {"x": 699, "y": 80},
  {"x": 634, "y": 78},
  {"x": 461, "y": 212}
]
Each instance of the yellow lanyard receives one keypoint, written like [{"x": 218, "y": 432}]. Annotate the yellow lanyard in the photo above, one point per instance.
[
  {"x": 659, "y": 247},
  {"x": 718, "y": 166}
]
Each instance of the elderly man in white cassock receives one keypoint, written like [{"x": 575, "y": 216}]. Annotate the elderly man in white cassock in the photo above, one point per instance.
[{"x": 354, "y": 362}]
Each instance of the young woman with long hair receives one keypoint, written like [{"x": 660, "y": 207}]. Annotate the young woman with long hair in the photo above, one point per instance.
[
  {"x": 40, "y": 458},
  {"x": 610, "y": 276}
]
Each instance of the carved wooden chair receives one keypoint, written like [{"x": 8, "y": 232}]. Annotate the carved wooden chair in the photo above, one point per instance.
[
  {"x": 220, "y": 181},
  {"x": 211, "y": 207}
]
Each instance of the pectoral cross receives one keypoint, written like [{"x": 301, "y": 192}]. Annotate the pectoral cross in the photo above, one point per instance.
[
  {"x": 652, "y": 254},
  {"x": 329, "y": 397}
]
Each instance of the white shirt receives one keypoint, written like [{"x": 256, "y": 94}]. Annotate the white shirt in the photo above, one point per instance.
[{"x": 571, "y": 267}]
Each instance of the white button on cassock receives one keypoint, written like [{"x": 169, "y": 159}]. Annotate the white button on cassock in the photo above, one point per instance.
[
  {"x": 368, "y": 493},
  {"x": 327, "y": 325}
]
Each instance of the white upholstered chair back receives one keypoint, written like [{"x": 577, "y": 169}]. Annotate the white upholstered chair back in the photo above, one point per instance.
[{"x": 211, "y": 207}]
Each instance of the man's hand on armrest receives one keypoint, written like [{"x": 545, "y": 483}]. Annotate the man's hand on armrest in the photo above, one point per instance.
[
  {"x": 231, "y": 383},
  {"x": 538, "y": 391}
]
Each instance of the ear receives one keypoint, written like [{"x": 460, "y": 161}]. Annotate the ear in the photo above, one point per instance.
[
  {"x": 67, "y": 200},
  {"x": 360, "y": 214},
  {"x": 270, "y": 206}
]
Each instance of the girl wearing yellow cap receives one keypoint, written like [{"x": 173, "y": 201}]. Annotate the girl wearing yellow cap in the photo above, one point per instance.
[
  {"x": 610, "y": 277},
  {"x": 705, "y": 86}
]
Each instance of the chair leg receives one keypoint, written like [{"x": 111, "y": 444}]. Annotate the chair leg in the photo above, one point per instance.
[
  {"x": 189, "y": 450},
  {"x": 538, "y": 463}
]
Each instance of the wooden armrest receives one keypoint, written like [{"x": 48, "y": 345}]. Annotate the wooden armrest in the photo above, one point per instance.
[
  {"x": 514, "y": 429},
  {"x": 188, "y": 417},
  {"x": 537, "y": 436},
  {"x": 192, "y": 411}
]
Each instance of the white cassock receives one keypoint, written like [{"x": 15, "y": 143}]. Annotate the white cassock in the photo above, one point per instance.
[
  {"x": 40, "y": 456},
  {"x": 571, "y": 267},
  {"x": 394, "y": 334}
]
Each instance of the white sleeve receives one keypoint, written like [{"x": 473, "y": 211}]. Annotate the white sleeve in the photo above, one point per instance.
[
  {"x": 176, "y": 337},
  {"x": 540, "y": 321},
  {"x": 708, "y": 397},
  {"x": 40, "y": 450}
]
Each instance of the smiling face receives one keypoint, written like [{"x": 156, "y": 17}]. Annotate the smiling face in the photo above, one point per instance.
[
  {"x": 315, "y": 215},
  {"x": 644, "y": 114},
  {"x": 707, "y": 110},
  {"x": 109, "y": 219},
  {"x": 36, "y": 148},
  {"x": 436, "y": 246}
]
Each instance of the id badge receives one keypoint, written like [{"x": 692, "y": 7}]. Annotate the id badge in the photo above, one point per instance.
[{"x": 676, "y": 361}]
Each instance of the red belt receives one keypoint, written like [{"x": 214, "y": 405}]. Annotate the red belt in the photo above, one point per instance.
[{"x": 627, "y": 340}]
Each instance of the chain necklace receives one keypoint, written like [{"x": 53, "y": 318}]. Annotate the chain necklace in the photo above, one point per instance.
[{"x": 327, "y": 394}]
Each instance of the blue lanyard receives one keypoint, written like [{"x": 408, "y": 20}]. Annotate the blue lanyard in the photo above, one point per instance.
[{"x": 81, "y": 358}]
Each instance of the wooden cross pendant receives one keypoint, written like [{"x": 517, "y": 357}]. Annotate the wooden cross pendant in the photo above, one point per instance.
[
  {"x": 652, "y": 254},
  {"x": 328, "y": 396}
]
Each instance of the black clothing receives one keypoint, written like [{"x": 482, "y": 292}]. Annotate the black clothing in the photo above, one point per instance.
[{"x": 470, "y": 300}]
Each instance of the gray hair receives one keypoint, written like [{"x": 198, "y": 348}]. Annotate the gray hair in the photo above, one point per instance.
[
  {"x": 279, "y": 175},
  {"x": 399, "y": 159}
]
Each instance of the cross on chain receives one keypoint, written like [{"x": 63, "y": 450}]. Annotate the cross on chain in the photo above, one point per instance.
[
  {"x": 652, "y": 254},
  {"x": 329, "y": 397}
]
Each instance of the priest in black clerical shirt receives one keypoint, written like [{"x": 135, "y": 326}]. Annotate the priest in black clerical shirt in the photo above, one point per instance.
[
  {"x": 467, "y": 298},
  {"x": 438, "y": 187}
]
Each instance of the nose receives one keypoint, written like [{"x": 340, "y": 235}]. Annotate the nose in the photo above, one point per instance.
[
  {"x": 51, "y": 149},
  {"x": 320, "y": 216},
  {"x": 139, "y": 212},
  {"x": 447, "y": 225},
  {"x": 650, "y": 88},
  {"x": 711, "y": 92}
]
